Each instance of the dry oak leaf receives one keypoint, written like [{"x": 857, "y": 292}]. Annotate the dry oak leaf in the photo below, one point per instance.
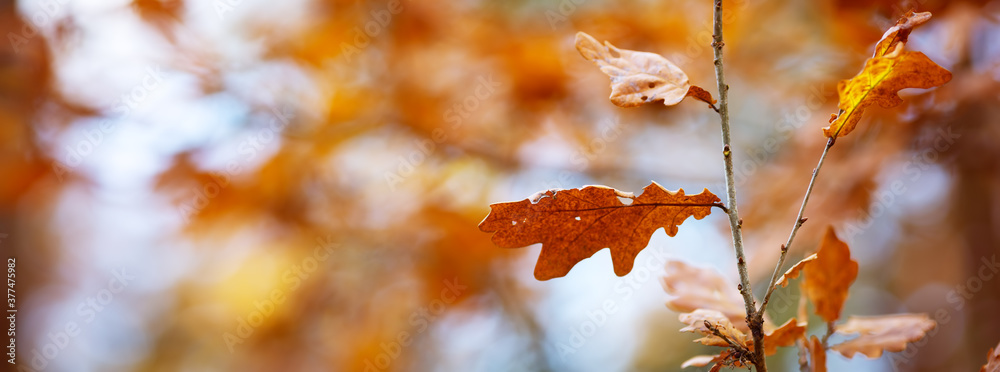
[
  {"x": 794, "y": 271},
  {"x": 783, "y": 336},
  {"x": 828, "y": 278},
  {"x": 882, "y": 333},
  {"x": 639, "y": 77},
  {"x": 992, "y": 360},
  {"x": 695, "y": 288},
  {"x": 696, "y": 320},
  {"x": 890, "y": 70},
  {"x": 576, "y": 223},
  {"x": 900, "y": 32},
  {"x": 817, "y": 354}
]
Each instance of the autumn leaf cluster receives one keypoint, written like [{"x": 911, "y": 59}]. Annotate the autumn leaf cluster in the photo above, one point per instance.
[
  {"x": 824, "y": 279},
  {"x": 573, "y": 224}
]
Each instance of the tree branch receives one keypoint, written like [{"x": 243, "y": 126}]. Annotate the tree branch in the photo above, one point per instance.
[
  {"x": 753, "y": 321},
  {"x": 799, "y": 220}
]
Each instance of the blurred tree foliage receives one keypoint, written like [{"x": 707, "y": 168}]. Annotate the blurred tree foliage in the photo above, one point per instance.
[{"x": 382, "y": 129}]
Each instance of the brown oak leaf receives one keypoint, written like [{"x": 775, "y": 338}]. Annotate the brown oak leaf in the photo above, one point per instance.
[
  {"x": 828, "y": 278},
  {"x": 783, "y": 336},
  {"x": 882, "y": 333},
  {"x": 574, "y": 224},
  {"x": 695, "y": 288},
  {"x": 817, "y": 355},
  {"x": 794, "y": 271},
  {"x": 890, "y": 70},
  {"x": 639, "y": 77}
]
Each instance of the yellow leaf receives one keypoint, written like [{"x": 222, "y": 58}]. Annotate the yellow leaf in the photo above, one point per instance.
[{"x": 888, "y": 71}]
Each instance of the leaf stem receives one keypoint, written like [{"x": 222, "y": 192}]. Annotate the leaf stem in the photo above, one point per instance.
[
  {"x": 830, "y": 328},
  {"x": 799, "y": 220},
  {"x": 735, "y": 223}
]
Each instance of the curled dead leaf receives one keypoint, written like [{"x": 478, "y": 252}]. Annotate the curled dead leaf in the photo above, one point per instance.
[
  {"x": 900, "y": 32},
  {"x": 882, "y": 333},
  {"x": 576, "y": 223},
  {"x": 639, "y": 77},
  {"x": 696, "y": 323}
]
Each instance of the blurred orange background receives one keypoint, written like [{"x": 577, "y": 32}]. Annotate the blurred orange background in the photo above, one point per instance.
[{"x": 262, "y": 186}]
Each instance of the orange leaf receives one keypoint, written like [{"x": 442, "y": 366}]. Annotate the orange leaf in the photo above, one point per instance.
[
  {"x": 783, "y": 336},
  {"x": 701, "y": 94},
  {"x": 992, "y": 360},
  {"x": 888, "y": 71},
  {"x": 829, "y": 276},
  {"x": 794, "y": 271},
  {"x": 695, "y": 288},
  {"x": 576, "y": 223},
  {"x": 817, "y": 354},
  {"x": 639, "y": 77},
  {"x": 878, "y": 333}
]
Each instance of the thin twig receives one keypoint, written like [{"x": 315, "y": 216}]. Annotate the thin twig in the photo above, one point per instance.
[
  {"x": 799, "y": 220},
  {"x": 735, "y": 224}
]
